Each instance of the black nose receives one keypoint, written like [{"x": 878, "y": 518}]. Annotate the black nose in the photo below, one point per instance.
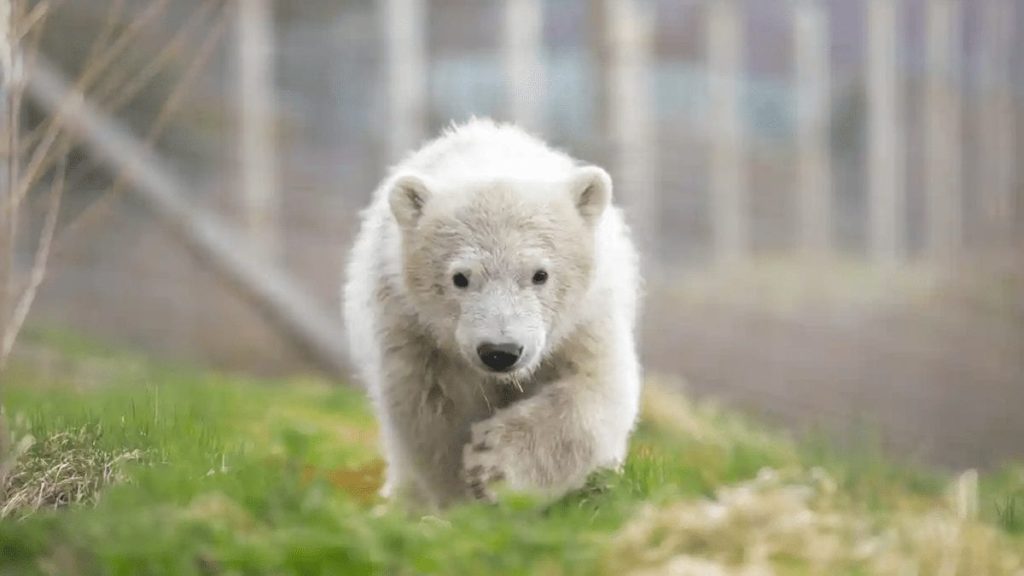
[{"x": 499, "y": 357}]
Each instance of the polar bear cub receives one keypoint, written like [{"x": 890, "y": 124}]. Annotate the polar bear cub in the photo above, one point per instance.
[{"x": 490, "y": 301}]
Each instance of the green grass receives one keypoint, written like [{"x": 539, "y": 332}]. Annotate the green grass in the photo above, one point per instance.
[{"x": 137, "y": 468}]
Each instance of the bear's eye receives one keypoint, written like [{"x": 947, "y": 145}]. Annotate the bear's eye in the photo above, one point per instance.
[
  {"x": 540, "y": 277},
  {"x": 460, "y": 280}
]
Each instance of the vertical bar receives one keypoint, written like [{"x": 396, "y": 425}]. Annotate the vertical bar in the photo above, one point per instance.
[
  {"x": 523, "y": 52},
  {"x": 259, "y": 192},
  {"x": 601, "y": 42},
  {"x": 886, "y": 154},
  {"x": 943, "y": 163},
  {"x": 403, "y": 22},
  {"x": 813, "y": 78},
  {"x": 996, "y": 118},
  {"x": 630, "y": 109},
  {"x": 8, "y": 167},
  {"x": 729, "y": 203}
]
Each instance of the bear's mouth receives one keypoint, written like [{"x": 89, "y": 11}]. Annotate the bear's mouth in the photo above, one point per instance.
[{"x": 515, "y": 371}]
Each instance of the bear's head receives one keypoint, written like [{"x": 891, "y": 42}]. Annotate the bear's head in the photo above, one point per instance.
[{"x": 498, "y": 270}]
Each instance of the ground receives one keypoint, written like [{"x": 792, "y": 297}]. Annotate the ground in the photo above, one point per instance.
[{"x": 114, "y": 464}]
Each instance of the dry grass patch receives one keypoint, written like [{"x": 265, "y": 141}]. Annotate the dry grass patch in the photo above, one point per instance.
[
  {"x": 802, "y": 523},
  {"x": 64, "y": 468}
]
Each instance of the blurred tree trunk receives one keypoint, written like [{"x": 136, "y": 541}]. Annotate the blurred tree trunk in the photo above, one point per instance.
[
  {"x": 523, "y": 52},
  {"x": 886, "y": 143},
  {"x": 943, "y": 164},
  {"x": 258, "y": 198},
  {"x": 729, "y": 183},
  {"x": 813, "y": 78},
  {"x": 405, "y": 75}
]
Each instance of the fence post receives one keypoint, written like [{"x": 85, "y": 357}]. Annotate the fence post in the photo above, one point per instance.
[
  {"x": 887, "y": 150},
  {"x": 627, "y": 33},
  {"x": 813, "y": 77},
  {"x": 996, "y": 120},
  {"x": 943, "y": 163},
  {"x": 8, "y": 204},
  {"x": 523, "y": 52},
  {"x": 729, "y": 194},
  {"x": 258, "y": 194},
  {"x": 404, "y": 22}
]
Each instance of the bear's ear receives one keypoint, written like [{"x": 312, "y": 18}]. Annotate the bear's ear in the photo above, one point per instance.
[
  {"x": 591, "y": 189},
  {"x": 409, "y": 193}
]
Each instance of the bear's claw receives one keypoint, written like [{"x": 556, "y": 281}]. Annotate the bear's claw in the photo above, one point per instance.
[{"x": 480, "y": 466}]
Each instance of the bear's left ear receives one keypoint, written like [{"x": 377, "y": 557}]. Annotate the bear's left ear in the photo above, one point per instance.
[
  {"x": 591, "y": 189},
  {"x": 408, "y": 194}
]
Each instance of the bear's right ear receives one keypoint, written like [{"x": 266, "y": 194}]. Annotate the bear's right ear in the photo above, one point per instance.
[
  {"x": 409, "y": 193},
  {"x": 591, "y": 189}
]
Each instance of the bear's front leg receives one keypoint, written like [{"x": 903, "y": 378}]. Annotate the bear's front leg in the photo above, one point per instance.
[
  {"x": 424, "y": 424},
  {"x": 550, "y": 443}
]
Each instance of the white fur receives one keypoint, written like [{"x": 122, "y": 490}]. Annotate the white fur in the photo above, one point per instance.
[{"x": 496, "y": 204}]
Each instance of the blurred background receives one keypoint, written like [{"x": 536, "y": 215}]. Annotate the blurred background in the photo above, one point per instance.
[{"x": 827, "y": 193}]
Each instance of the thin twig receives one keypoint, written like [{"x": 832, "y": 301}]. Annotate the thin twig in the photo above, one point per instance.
[
  {"x": 114, "y": 13},
  {"x": 30, "y": 21},
  {"x": 11, "y": 91},
  {"x": 52, "y": 146},
  {"x": 113, "y": 95},
  {"x": 42, "y": 155},
  {"x": 28, "y": 296},
  {"x": 126, "y": 92},
  {"x": 92, "y": 212}
]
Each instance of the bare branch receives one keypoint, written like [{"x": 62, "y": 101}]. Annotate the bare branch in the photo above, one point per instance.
[
  {"x": 32, "y": 20},
  {"x": 267, "y": 287},
  {"x": 114, "y": 13},
  {"x": 111, "y": 96},
  {"x": 17, "y": 320},
  {"x": 51, "y": 147},
  {"x": 42, "y": 156},
  {"x": 91, "y": 214},
  {"x": 10, "y": 91},
  {"x": 124, "y": 93}
]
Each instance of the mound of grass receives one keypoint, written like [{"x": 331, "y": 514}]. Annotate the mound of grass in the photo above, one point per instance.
[
  {"x": 804, "y": 523},
  {"x": 160, "y": 470},
  {"x": 63, "y": 468}
]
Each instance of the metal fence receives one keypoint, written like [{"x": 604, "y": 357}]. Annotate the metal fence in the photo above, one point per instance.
[{"x": 878, "y": 132}]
